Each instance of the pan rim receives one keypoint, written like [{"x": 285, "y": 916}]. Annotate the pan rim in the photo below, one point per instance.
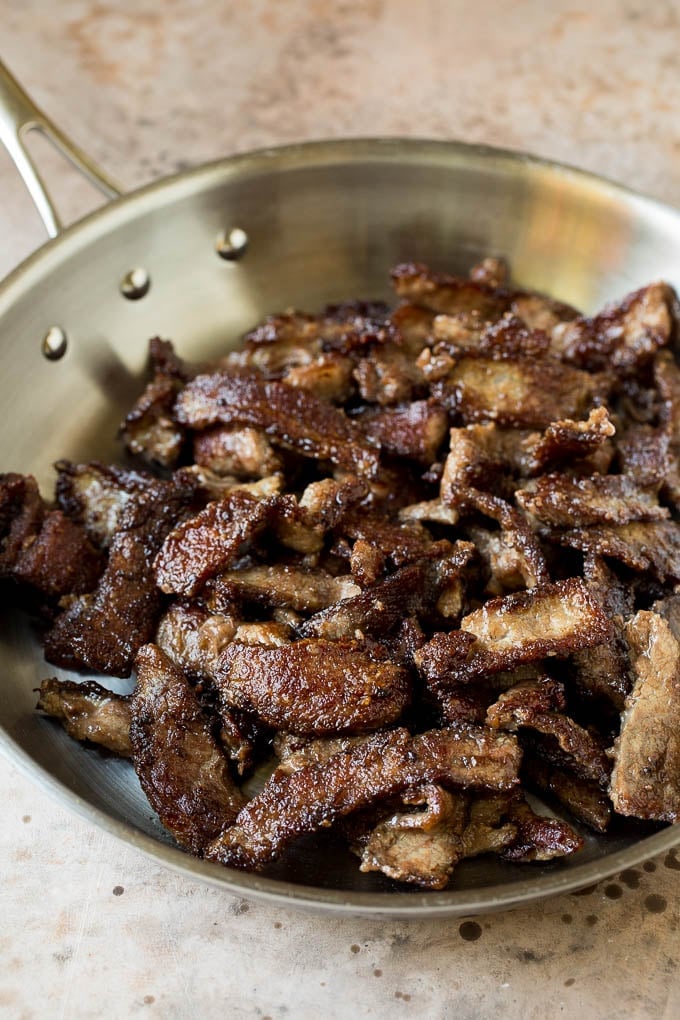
[
  {"x": 296, "y": 155},
  {"x": 320, "y": 153}
]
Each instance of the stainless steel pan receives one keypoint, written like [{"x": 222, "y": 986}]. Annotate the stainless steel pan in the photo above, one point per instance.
[{"x": 322, "y": 221}]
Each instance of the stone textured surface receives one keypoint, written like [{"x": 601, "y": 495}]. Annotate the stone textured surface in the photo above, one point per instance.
[{"x": 91, "y": 929}]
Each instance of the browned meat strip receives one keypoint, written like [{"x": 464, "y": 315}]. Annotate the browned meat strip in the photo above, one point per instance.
[
  {"x": 516, "y": 534},
  {"x": 584, "y": 798},
  {"x": 96, "y": 495},
  {"x": 644, "y": 455},
  {"x": 441, "y": 292},
  {"x": 306, "y": 591},
  {"x": 419, "y": 847},
  {"x": 295, "y": 751},
  {"x": 150, "y": 430},
  {"x": 103, "y": 630},
  {"x": 551, "y": 619},
  {"x": 379, "y": 608},
  {"x": 181, "y": 769},
  {"x": 646, "y": 776},
  {"x": 303, "y": 525},
  {"x": 565, "y": 441},
  {"x": 603, "y": 672},
  {"x": 21, "y": 515},
  {"x": 42, "y": 548},
  {"x": 314, "y": 687},
  {"x": 488, "y": 829},
  {"x": 328, "y": 377},
  {"x": 388, "y": 377},
  {"x": 386, "y": 763},
  {"x": 540, "y": 312},
  {"x": 533, "y": 704},
  {"x": 205, "y": 545},
  {"x": 241, "y": 452},
  {"x": 538, "y": 838},
  {"x": 622, "y": 337},
  {"x": 641, "y": 545},
  {"x": 89, "y": 712},
  {"x": 60, "y": 559},
  {"x": 400, "y": 542},
  {"x": 292, "y": 417},
  {"x": 565, "y": 502},
  {"x": 415, "y": 430},
  {"x": 524, "y": 394},
  {"x": 194, "y": 639}
]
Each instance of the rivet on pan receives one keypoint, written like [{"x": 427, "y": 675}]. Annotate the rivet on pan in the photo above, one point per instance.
[
  {"x": 231, "y": 245},
  {"x": 54, "y": 343},
  {"x": 135, "y": 284}
]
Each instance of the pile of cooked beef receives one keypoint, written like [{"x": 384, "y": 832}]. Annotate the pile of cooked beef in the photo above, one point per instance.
[{"x": 423, "y": 558}]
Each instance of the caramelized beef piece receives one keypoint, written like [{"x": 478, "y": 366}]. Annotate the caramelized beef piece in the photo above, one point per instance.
[
  {"x": 240, "y": 452},
  {"x": 603, "y": 673},
  {"x": 387, "y": 763},
  {"x": 534, "y": 704},
  {"x": 539, "y": 838},
  {"x": 150, "y": 430},
  {"x": 400, "y": 543},
  {"x": 419, "y": 847},
  {"x": 42, "y": 548},
  {"x": 59, "y": 560},
  {"x": 459, "y": 704},
  {"x": 104, "y": 629},
  {"x": 415, "y": 430},
  {"x": 565, "y": 502},
  {"x": 182, "y": 770},
  {"x": 378, "y": 609},
  {"x": 291, "y": 417},
  {"x": 388, "y": 376},
  {"x": 303, "y": 525},
  {"x": 194, "y": 639},
  {"x": 540, "y": 312},
  {"x": 305, "y": 591},
  {"x": 314, "y": 687},
  {"x": 641, "y": 545},
  {"x": 624, "y": 336},
  {"x": 205, "y": 545},
  {"x": 516, "y": 533},
  {"x": 96, "y": 495},
  {"x": 328, "y": 377},
  {"x": 644, "y": 455},
  {"x": 488, "y": 829},
  {"x": 295, "y": 751},
  {"x": 645, "y": 779},
  {"x": 523, "y": 394},
  {"x": 366, "y": 563},
  {"x": 550, "y": 620},
  {"x": 583, "y": 798},
  {"x": 442, "y": 292},
  {"x": 509, "y": 339},
  {"x": 21, "y": 515},
  {"x": 89, "y": 712},
  {"x": 433, "y": 511},
  {"x": 567, "y": 441}
]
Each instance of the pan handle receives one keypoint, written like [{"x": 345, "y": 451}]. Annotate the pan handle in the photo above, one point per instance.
[{"x": 19, "y": 115}]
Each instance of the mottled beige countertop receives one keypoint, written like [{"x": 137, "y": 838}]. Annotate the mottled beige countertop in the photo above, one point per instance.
[{"x": 89, "y": 928}]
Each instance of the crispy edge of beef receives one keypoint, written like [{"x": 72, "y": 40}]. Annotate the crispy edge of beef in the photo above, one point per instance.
[{"x": 180, "y": 766}]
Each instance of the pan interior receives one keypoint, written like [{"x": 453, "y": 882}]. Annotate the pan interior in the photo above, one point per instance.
[{"x": 323, "y": 222}]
